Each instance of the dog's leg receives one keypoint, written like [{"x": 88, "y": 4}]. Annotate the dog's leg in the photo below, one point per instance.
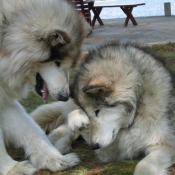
[
  {"x": 53, "y": 115},
  {"x": 8, "y": 166},
  {"x": 53, "y": 120},
  {"x": 62, "y": 138},
  {"x": 156, "y": 162},
  {"x": 26, "y": 133}
]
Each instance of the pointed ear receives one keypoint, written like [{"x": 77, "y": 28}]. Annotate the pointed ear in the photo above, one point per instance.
[
  {"x": 98, "y": 85},
  {"x": 56, "y": 37}
]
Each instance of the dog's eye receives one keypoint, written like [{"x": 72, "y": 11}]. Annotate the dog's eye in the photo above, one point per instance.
[
  {"x": 97, "y": 112},
  {"x": 58, "y": 63}
]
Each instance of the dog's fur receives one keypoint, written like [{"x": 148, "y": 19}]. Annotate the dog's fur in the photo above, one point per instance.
[
  {"x": 129, "y": 97},
  {"x": 40, "y": 40}
]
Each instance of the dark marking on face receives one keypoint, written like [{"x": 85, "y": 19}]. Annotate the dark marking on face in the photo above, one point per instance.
[{"x": 129, "y": 107}]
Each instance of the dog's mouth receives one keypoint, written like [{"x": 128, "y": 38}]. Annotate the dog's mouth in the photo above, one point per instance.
[{"x": 41, "y": 87}]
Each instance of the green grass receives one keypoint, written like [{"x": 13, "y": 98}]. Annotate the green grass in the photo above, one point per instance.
[
  {"x": 167, "y": 51},
  {"x": 89, "y": 164},
  {"x": 32, "y": 101}
]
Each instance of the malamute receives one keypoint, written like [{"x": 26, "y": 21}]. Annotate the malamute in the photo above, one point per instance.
[
  {"x": 40, "y": 40},
  {"x": 129, "y": 97}
]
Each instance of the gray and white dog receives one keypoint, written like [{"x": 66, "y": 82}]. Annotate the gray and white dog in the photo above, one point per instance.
[
  {"x": 126, "y": 106},
  {"x": 40, "y": 40}
]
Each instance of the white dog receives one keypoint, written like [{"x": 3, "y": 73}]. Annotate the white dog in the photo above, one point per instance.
[
  {"x": 129, "y": 98},
  {"x": 40, "y": 41}
]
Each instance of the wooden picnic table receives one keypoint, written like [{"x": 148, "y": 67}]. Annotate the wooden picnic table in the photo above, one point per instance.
[{"x": 126, "y": 8}]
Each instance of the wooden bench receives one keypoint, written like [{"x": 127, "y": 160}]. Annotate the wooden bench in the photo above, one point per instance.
[{"x": 97, "y": 7}]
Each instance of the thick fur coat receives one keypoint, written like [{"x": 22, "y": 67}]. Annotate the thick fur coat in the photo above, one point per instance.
[
  {"x": 40, "y": 40},
  {"x": 126, "y": 103}
]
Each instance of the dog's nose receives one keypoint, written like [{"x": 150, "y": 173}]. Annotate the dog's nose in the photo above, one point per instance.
[
  {"x": 95, "y": 146},
  {"x": 63, "y": 98}
]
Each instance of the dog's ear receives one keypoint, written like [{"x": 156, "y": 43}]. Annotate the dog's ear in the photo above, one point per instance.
[
  {"x": 56, "y": 38},
  {"x": 98, "y": 85}
]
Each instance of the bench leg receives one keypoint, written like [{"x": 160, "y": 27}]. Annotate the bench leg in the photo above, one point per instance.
[
  {"x": 97, "y": 12},
  {"x": 128, "y": 12}
]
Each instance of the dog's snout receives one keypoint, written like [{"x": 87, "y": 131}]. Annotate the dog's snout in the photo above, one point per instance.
[
  {"x": 95, "y": 146},
  {"x": 63, "y": 98}
]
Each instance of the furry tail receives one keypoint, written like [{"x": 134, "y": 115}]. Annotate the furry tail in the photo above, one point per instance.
[{"x": 52, "y": 115}]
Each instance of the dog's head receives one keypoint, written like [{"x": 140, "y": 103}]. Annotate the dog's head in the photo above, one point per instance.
[
  {"x": 51, "y": 78},
  {"x": 107, "y": 87},
  {"x": 41, "y": 38}
]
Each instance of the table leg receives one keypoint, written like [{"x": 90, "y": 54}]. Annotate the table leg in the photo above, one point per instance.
[
  {"x": 90, "y": 6},
  {"x": 128, "y": 12},
  {"x": 97, "y": 12}
]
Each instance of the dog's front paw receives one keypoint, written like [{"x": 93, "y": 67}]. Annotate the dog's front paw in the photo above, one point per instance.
[
  {"x": 59, "y": 162},
  {"x": 51, "y": 159},
  {"x": 78, "y": 120},
  {"x": 22, "y": 168}
]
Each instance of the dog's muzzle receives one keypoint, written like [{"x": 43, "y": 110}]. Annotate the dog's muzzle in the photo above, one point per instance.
[
  {"x": 41, "y": 89},
  {"x": 63, "y": 97},
  {"x": 95, "y": 146}
]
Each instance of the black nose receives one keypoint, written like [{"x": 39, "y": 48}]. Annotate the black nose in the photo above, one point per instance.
[
  {"x": 95, "y": 146},
  {"x": 63, "y": 98}
]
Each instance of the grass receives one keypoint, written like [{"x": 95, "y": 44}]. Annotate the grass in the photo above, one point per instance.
[
  {"x": 167, "y": 51},
  {"x": 89, "y": 164}
]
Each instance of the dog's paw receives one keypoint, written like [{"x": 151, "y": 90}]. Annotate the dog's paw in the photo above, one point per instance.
[
  {"x": 51, "y": 159},
  {"x": 78, "y": 120},
  {"x": 22, "y": 168},
  {"x": 58, "y": 163}
]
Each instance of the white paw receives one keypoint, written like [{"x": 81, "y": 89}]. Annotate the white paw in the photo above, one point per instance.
[
  {"x": 78, "y": 120},
  {"x": 22, "y": 168},
  {"x": 58, "y": 163},
  {"x": 51, "y": 159}
]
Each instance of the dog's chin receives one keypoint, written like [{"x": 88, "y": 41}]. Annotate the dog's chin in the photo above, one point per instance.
[{"x": 41, "y": 87}]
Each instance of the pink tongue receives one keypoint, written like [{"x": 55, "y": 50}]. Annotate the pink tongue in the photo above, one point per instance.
[{"x": 45, "y": 92}]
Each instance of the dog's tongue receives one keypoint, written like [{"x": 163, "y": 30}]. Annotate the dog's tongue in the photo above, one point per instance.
[{"x": 44, "y": 91}]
